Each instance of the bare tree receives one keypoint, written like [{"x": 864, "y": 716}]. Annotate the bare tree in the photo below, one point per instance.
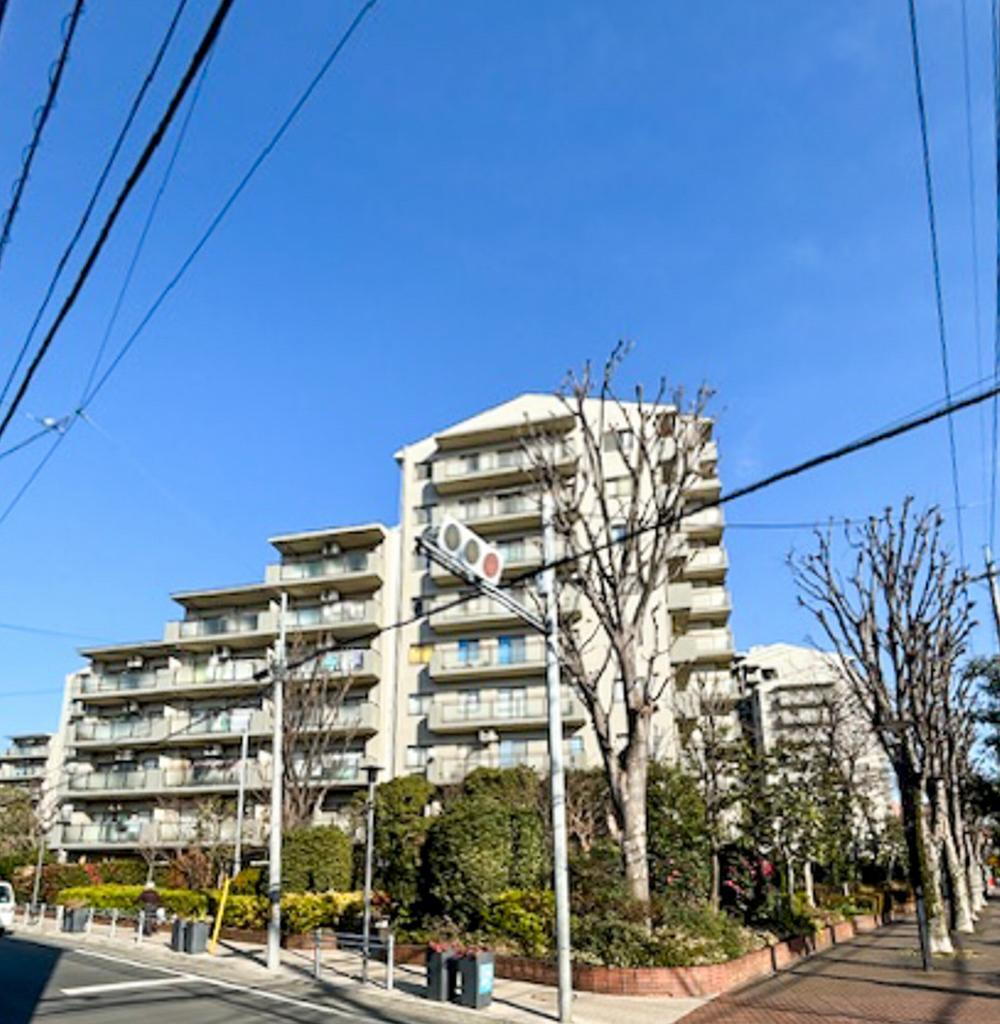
[
  {"x": 319, "y": 727},
  {"x": 624, "y": 541},
  {"x": 899, "y": 622}
]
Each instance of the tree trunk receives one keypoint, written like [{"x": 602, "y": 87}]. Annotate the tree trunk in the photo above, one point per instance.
[
  {"x": 807, "y": 878},
  {"x": 925, "y": 878},
  {"x": 716, "y": 891},
  {"x": 937, "y": 921},
  {"x": 790, "y": 872},
  {"x": 632, "y": 785},
  {"x": 957, "y": 878}
]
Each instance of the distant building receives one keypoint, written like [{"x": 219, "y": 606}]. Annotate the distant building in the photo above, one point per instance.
[
  {"x": 797, "y": 695},
  {"x": 25, "y": 762}
]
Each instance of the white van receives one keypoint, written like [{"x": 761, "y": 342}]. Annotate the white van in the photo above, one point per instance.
[{"x": 6, "y": 907}]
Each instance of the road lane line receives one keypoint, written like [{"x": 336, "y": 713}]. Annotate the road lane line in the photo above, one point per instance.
[{"x": 123, "y": 986}]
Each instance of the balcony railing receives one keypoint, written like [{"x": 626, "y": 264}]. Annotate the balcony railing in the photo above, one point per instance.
[
  {"x": 516, "y": 656},
  {"x": 234, "y": 671},
  {"x": 14, "y": 772},
  {"x": 221, "y": 625},
  {"x": 494, "y": 466},
  {"x": 484, "y": 509},
  {"x": 140, "y": 728},
  {"x": 514, "y": 711},
  {"x": 453, "y": 769},
  {"x": 132, "y": 832},
  {"x": 37, "y": 750},
  {"x": 361, "y": 716},
  {"x": 345, "y": 564},
  {"x": 342, "y": 613},
  {"x": 475, "y": 609},
  {"x": 703, "y": 645}
]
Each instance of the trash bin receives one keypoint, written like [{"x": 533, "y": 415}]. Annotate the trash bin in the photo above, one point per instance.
[
  {"x": 75, "y": 919},
  {"x": 475, "y": 971},
  {"x": 441, "y": 974},
  {"x": 195, "y": 936},
  {"x": 177, "y": 930}
]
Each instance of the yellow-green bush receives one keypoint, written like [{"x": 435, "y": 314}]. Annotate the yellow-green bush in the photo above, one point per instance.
[
  {"x": 300, "y": 911},
  {"x": 126, "y": 897}
]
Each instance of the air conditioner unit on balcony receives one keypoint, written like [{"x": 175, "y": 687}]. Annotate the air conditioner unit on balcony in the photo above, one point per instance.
[
  {"x": 488, "y": 736},
  {"x": 223, "y": 654},
  {"x": 135, "y": 662},
  {"x": 212, "y": 752},
  {"x": 330, "y": 596},
  {"x": 125, "y": 755},
  {"x": 331, "y": 547}
]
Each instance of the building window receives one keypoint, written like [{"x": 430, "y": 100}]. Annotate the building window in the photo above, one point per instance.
[
  {"x": 513, "y": 753},
  {"x": 618, "y": 691},
  {"x": 512, "y": 702},
  {"x": 468, "y": 652},
  {"x": 416, "y": 757},
  {"x": 419, "y": 703},
  {"x": 468, "y": 702},
  {"x": 619, "y": 487},
  {"x": 470, "y": 463},
  {"x": 511, "y": 650},
  {"x": 425, "y": 470},
  {"x": 420, "y": 654},
  {"x": 619, "y": 531}
]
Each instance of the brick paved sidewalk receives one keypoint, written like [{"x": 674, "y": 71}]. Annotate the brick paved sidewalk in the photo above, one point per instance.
[{"x": 875, "y": 978}]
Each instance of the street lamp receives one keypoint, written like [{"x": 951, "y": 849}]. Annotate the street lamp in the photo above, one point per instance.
[{"x": 371, "y": 770}]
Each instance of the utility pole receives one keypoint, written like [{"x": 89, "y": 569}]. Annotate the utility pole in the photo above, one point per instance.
[
  {"x": 464, "y": 553},
  {"x": 277, "y": 769},
  {"x": 366, "y": 924},
  {"x": 557, "y": 775},
  {"x": 991, "y": 576},
  {"x": 240, "y": 795}
]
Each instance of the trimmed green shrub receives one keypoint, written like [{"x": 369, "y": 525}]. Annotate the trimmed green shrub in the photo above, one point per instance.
[
  {"x": 401, "y": 825},
  {"x": 249, "y": 882},
  {"x": 243, "y": 911},
  {"x": 315, "y": 859},
  {"x": 122, "y": 872},
  {"x": 524, "y": 918}
]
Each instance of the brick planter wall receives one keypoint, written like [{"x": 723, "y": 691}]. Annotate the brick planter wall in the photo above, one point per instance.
[{"x": 705, "y": 980}]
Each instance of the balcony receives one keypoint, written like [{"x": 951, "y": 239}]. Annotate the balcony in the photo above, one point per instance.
[
  {"x": 344, "y": 771},
  {"x": 515, "y": 712},
  {"x": 197, "y": 778},
  {"x": 359, "y": 666},
  {"x": 243, "y": 628},
  {"x": 475, "y": 613},
  {"x": 704, "y": 488},
  {"x": 21, "y": 772},
  {"x": 140, "y": 832},
  {"x": 695, "y": 603},
  {"x": 350, "y": 571},
  {"x": 170, "y": 729},
  {"x": 350, "y": 719},
  {"x": 488, "y": 658},
  {"x": 236, "y": 674},
  {"x": 504, "y": 467},
  {"x": 705, "y": 563},
  {"x": 444, "y": 771},
  {"x": 712, "y": 646},
  {"x": 493, "y": 513},
  {"x": 344, "y": 618},
  {"x": 706, "y": 522},
  {"x": 25, "y": 751}
]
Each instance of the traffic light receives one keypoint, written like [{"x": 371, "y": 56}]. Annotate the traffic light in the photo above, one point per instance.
[{"x": 468, "y": 548}]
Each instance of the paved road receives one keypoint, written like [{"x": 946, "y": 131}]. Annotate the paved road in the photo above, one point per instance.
[
  {"x": 42, "y": 982},
  {"x": 875, "y": 978}
]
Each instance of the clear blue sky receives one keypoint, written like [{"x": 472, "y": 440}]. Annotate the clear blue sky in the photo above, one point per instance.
[{"x": 478, "y": 197}]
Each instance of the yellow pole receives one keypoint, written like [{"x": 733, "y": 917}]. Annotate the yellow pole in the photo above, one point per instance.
[{"x": 219, "y": 915}]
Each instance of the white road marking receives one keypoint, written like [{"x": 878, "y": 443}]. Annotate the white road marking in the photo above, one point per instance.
[
  {"x": 228, "y": 985},
  {"x": 123, "y": 986}
]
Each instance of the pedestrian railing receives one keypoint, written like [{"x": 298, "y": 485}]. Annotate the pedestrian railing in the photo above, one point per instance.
[{"x": 350, "y": 948}]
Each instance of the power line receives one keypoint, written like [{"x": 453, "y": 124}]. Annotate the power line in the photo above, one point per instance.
[
  {"x": 233, "y": 196},
  {"x": 211, "y": 34},
  {"x": 935, "y": 262},
  {"x": 41, "y": 118},
  {"x": 42, "y": 631},
  {"x": 101, "y": 180},
  {"x": 798, "y": 469},
  {"x": 973, "y": 232}
]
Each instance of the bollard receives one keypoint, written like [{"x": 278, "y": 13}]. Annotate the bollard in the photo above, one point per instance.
[
  {"x": 60, "y": 910},
  {"x": 140, "y": 926},
  {"x": 27, "y": 914},
  {"x": 41, "y": 917},
  {"x": 90, "y": 921},
  {"x": 317, "y": 953},
  {"x": 114, "y": 922},
  {"x": 390, "y": 960}
]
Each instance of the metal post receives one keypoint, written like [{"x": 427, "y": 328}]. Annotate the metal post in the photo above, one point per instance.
[
  {"x": 114, "y": 922},
  {"x": 557, "y": 778},
  {"x": 274, "y": 858},
  {"x": 317, "y": 955},
  {"x": 238, "y": 851},
  {"x": 90, "y": 921},
  {"x": 390, "y": 960},
  {"x": 140, "y": 927},
  {"x": 991, "y": 575},
  {"x": 38, "y": 870},
  {"x": 366, "y": 925}
]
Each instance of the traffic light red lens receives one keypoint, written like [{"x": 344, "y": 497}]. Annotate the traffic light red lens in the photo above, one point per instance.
[{"x": 491, "y": 565}]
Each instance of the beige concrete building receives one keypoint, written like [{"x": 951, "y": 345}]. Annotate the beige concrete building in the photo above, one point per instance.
[
  {"x": 154, "y": 728},
  {"x": 798, "y": 695},
  {"x": 26, "y": 762}
]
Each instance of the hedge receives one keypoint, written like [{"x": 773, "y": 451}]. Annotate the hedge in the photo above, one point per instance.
[
  {"x": 300, "y": 912},
  {"x": 126, "y": 897}
]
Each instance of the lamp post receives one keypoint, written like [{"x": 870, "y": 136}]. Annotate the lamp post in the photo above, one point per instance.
[
  {"x": 372, "y": 771},
  {"x": 277, "y": 796}
]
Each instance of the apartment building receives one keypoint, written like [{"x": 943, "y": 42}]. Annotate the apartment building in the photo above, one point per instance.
[
  {"x": 795, "y": 695},
  {"x": 472, "y": 677},
  {"x": 154, "y": 729},
  {"x": 26, "y": 762}
]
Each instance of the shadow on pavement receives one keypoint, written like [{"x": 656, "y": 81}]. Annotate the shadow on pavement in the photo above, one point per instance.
[{"x": 25, "y": 970}]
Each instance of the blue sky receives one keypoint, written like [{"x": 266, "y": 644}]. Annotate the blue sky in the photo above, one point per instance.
[{"x": 478, "y": 197}]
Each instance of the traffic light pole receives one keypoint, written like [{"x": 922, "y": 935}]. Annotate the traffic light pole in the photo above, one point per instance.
[
  {"x": 549, "y": 627},
  {"x": 277, "y": 773},
  {"x": 557, "y": 774}
]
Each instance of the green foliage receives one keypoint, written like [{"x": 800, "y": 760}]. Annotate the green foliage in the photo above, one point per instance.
[
  {"x": 678, "y": 845},
  {"x": 401, "y": 825},
  {"x": 17, "y": 821},
  {"x": 300, "y": 912},
  {"x": 249, "y": 882},
  {"x": 122, "y": 872},
  {"x": 243, "y": 911},
  {"x": 468, "y": 858},
  {"x": 524, "y": 918},
  {"x": 54, "y": 878},
  {"x": 597, "y": 880},
  {"x": 315, "y": 859},
  {"x": 126, "y": 897}
]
